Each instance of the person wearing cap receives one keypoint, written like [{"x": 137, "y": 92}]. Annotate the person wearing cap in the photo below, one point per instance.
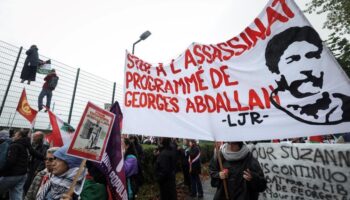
[
  {"x": 43, "y": 176},
  {"x": 47, "y": 89},
  {"x": 31, "y": 63},
  {"x": 65, "y": 167},
  {"x": 241, "y": 171}
]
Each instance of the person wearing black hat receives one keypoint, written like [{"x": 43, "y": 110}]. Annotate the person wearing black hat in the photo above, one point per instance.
[{"x": 244, "y": 176}]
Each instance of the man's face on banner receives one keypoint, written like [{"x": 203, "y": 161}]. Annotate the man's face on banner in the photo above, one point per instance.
[{"x": 301, "y": 69}]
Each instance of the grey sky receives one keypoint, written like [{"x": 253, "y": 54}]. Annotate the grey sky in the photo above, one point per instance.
[{"x": 93, "y": 35}]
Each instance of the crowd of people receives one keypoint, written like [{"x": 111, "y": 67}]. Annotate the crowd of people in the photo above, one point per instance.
[{"x": 30, "y": 169}]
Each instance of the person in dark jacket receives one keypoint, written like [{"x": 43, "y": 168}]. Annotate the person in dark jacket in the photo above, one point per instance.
[
  {"x": 14, "y": 174},
  {"x": 35, "y": 164},
  {"x": 30, "y": 65},
  {"x": 165, "y": 170},
  {"x": 195, "y": 169},
  {"x": 185, "y": 154},
  {"x": 47, "y": 90},
  {"x": 242, "y": 172},
  {"x": 5, "y": 142}
]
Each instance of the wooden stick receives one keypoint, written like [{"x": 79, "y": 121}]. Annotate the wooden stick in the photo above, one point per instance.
[
  {"x": 8, "y": 122},
  {"x": 14, "y": 115},
  {"x": 221, "y": 169},
  {"x": 76, "y": 177}
]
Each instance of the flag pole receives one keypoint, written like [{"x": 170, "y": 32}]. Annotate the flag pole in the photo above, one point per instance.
[
  {"x": 14, "y": 115},
  {"x": 8, "y": 121},
  {"x": 76, "y": 177},
  {"x": 221, "y": 169}
]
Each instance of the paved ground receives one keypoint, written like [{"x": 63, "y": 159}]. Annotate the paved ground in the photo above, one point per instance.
[{"x": 207, "y": 190}]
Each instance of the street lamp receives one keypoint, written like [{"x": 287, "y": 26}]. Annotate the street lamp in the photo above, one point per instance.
[{"x": 144, "y": 36}]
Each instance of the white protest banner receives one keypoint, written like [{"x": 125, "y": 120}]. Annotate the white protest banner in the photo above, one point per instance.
[
  {"x": 92, "y": 133},
  {"x": 274, "y": 76},
  {"x": 304, "y": 171}
]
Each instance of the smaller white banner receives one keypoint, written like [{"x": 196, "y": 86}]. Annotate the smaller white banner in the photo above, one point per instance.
[{"x": 305, "y": 171}]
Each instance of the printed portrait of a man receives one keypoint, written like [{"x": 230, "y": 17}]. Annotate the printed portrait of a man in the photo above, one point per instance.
[{"x": 306, "y": 89}]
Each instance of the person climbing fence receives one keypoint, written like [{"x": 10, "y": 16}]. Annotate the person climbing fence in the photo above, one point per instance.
[{"x": 51, "y": 81}]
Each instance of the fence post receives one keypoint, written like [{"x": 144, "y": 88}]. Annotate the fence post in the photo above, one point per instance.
[
  {"x": 113, "y": 93},
  {"x": 10, "y": 81},
  {"x": 73, "y": 97}
]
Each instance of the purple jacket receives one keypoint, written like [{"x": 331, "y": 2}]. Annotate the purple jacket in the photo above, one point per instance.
[{"x": 130, "y": 165}]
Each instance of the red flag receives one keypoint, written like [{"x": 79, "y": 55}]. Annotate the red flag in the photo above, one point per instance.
[
  {"x": 61, "y": 132},
  {"x": 24, "y": 108}
]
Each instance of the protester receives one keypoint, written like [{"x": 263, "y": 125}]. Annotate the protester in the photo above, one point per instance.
[
  {"x": 195, "y": 169},
  {"x": 165, "y": 170},
  {"x": 94, "y": 187},
  {"x": 343, "y": 137},
  {"x": 185, "y": 153},
  {"x": 36, "y": 165},
  {"x": 50, "y": 84},
  {"x": 131, "y": 168},
  {"x": 298, "y": 140},
  {"x": 242, "y": 172},
  {"x": 30, "y": 65},
  {"x": 43, "y": 176},
  {"x": 5, "y": 142},
  {"x": 65, "y": 168},
  {"x": 14, "y": 174},
  {"x": 175, "y": 146},
  {"x": 329, "y": 139},
  {"x": 140, "y": 156},
  {"x": 138, "y": 147}
]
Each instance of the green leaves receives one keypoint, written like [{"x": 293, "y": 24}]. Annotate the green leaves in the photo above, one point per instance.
[{"x": 338, "y": 21}]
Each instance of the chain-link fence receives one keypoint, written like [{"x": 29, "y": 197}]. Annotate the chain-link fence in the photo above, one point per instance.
[{"x": 75, "y": 88}]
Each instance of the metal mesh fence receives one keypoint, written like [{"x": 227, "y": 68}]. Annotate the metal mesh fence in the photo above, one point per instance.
[{"x": 90, "y": 87}]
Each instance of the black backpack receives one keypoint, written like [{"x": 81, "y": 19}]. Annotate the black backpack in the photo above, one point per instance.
[{"x": 53, "y": 82}]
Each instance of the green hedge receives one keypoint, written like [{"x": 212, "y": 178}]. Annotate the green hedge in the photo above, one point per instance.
[
  {"x": 148, "y": 163},
  {"x": 207, "y": 150}
]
